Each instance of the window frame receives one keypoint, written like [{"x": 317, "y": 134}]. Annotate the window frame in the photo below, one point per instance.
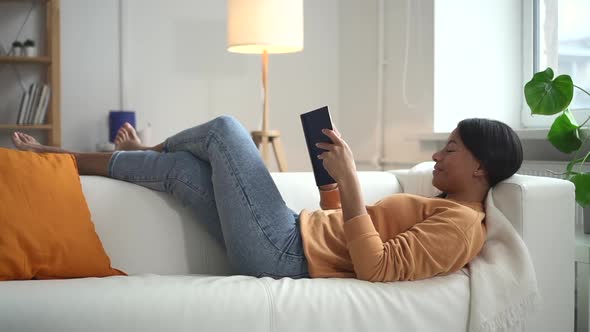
[
  {"x": 530, "y": 61},
  {"x": 530, "y": 64}
]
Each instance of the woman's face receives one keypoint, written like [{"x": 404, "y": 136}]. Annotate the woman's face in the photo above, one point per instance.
[{"x": 456, "y": 168}]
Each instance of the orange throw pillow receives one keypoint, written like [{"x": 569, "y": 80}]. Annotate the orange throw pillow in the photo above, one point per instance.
[{"x": 45, "y": 226}]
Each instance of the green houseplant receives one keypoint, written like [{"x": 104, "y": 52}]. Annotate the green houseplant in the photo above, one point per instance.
[{"x": 547, "y": 95}]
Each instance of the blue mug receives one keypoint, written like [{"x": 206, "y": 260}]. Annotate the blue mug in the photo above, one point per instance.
[{"x": 116, "y": 121}]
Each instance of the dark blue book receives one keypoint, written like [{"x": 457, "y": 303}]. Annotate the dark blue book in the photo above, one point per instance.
[{"x": 313, "y": 122}]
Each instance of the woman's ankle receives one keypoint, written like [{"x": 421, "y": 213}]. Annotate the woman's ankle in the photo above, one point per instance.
[{"x": 157, "y": 148}]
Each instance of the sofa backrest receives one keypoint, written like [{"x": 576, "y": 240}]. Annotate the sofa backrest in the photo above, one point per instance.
[
  {"x": 300, "y": 192},
  {"x": 144, "y": 231}
]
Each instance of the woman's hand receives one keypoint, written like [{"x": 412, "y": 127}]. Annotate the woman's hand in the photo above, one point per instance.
[
  {"x": 338, "y": 159},
  {"x": 339, "y": 163}
]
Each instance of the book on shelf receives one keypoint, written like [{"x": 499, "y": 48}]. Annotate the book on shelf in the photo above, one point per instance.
[
  {"x": 34, "y": 104},
  {"x": 43, "y": 105},
  {"x": 23, "y": 106}
]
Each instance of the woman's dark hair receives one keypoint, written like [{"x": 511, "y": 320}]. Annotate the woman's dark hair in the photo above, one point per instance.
[{"x": 494, "y": 144}]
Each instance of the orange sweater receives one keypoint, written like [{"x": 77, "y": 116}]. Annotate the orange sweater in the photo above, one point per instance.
[{"x": 403, "y": 237}]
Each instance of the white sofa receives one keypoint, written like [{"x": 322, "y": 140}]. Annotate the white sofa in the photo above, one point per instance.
[{"x": 178, "y": 275}]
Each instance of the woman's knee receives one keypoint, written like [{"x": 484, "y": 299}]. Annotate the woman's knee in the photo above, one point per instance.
[{"x": 227, "y": 124}]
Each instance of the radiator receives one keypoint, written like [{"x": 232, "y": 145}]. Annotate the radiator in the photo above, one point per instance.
[{"x": 552, "y": 169}]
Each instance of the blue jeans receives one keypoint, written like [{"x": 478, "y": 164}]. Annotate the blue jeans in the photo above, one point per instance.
[{"x": 215, "y": 170}]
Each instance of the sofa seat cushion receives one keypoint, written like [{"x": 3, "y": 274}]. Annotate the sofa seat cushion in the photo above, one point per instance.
[{"x": 151, "y": 302}]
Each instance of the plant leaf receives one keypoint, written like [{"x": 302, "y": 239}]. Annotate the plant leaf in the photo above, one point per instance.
[
  {"x": 564, "y": 133},
  {"x": 582, "y": 183},
  {"x": 584, "y": 133},
  {"x": 571, "y": 164},
  {"x": 547, "y": 97}
]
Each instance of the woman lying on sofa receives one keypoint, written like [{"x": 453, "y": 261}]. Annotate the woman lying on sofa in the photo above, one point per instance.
[{"x": 215, "y": 170}]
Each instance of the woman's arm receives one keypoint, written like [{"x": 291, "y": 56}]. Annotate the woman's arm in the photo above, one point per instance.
[
  {"x": 432, "y": 247},
  {"x": 351, "y": 197},
  {"x": 330, "y": 197},
  {"x": 339, "y": 162}
]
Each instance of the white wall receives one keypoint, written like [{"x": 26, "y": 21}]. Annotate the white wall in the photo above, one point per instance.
[
  {"x": 90, "y": 67},
  {"x": 409, "y": 81},
  {"x": 358, "y": 79},
  {"x": 178, "y": 72},
  {"x": 406, "y": 99}
]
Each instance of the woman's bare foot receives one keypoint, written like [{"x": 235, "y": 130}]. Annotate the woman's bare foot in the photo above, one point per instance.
[
  {"x": 127, "y": 139},
  {"x": 26, "y": 142}
]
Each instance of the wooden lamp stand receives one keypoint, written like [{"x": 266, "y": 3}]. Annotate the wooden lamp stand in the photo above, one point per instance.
[
  {"x": 263, "y": 27},
  {"x": 263, "y": 137}
]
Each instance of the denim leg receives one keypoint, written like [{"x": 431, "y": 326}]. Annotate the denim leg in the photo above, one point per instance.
[
  {"x": 261, "y": 233},
  {"x": 180, "y": 174}
]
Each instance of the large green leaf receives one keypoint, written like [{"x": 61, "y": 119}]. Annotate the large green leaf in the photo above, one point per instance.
[
  {"x": 547, "y": 97},
  {"x": 564, "y": 133},
  {"x": 582, "y": 182}
]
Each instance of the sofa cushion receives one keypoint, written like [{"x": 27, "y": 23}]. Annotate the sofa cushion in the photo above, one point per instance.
[
  {"x": 299, "y": 190},
  {"x": 45, "y": 226},
  {"x": 151, "y": 302},
  {"x": 417, "y": 180},
  {"x": 132, "y": 221}
]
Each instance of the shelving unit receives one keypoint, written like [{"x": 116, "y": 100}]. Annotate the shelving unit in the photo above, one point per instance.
[
  {"x": 50, "y": 62},
  {"x": 36, "y": 127},
  {"x": 25, "y": 59}
]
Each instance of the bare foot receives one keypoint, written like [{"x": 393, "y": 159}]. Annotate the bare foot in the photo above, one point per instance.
[
  {"x": 127, "y": 139},
  {"x": 26, "y": 142}
]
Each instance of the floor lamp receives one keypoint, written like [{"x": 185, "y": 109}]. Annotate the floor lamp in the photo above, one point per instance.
[{"x": 265, "y": 27}]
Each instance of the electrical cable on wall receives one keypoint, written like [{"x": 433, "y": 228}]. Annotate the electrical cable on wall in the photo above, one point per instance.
[
  {"x": 12, "y": 65},
  {"x": 121, "y": 57},
  {"x": 381, "y": 63},
  {"x": 406, "y": 55}
]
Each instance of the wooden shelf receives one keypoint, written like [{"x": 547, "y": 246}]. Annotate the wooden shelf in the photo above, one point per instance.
[
  {"x": 25, "y": 59},
  {"x": 23, "y": 127},
  {"x": 28, "y": 1},
  {"x": 48, "y": 66}
]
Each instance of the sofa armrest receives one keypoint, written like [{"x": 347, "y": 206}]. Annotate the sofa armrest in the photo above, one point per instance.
[{"x": 542, "y": 210}]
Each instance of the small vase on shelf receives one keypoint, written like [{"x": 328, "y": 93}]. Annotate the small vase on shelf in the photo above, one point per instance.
[
  {"x": 29, "y": 48},
  {"x": 17, "y": 49}
]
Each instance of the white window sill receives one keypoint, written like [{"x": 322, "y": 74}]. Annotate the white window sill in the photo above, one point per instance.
[
  {"x": 532, "y": 134},
  {"x": 523, "y": 134}
]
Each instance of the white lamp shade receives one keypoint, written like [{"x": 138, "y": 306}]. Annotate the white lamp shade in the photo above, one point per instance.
[{"x": 254, "y": 26}]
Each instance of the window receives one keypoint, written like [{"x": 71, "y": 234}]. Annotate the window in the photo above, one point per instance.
[{"x": 560, "y": 39}]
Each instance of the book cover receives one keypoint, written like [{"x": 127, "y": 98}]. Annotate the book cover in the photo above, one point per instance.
[
  {"x": 36, "y": 90},
  {"x": 41, "y": 105},
  {"x": 27, "y": 109},
  {"x": 35, "y": 109},
  {"x": 313, "y": 122},
  {"x": 47, "y": 96},
  {"x": 23, "y": 107}
]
